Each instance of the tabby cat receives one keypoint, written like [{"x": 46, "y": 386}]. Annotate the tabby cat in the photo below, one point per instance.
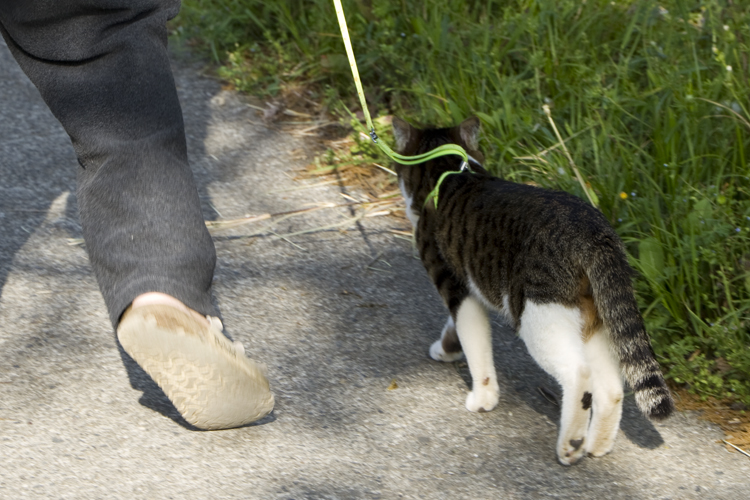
[{"x": 552, "y": 265}]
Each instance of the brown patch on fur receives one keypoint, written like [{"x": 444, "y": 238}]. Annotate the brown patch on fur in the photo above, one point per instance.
[
  {"x": 576, "y": 444},
  {"x": 590, "y": 315},
  {"x": 486, "y": 381},
  {"x": 586, "y": 401}
]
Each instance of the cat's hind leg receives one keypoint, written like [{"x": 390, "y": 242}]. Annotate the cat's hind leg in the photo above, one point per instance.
[
  {"x": 475, "y": 334},
  {"x": 607, "y": 394},
  {"x": 448, "y": 348},
  {"x": 552, "y": 333}
]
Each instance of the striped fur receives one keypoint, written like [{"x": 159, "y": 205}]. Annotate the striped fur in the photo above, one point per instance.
[{"x": 511, "y": 245}]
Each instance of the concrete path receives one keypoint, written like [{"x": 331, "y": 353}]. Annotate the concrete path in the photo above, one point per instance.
[{"x": 79, "y": 420}]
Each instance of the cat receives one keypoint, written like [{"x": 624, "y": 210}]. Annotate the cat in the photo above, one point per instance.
[{"x": 552, "y": 265}]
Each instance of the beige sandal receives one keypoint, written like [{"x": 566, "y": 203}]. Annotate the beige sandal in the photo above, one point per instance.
[{"x": 207, "y": 377}]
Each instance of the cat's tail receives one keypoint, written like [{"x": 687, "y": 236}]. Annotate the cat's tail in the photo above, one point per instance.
[{"x": 609, "y": 274}]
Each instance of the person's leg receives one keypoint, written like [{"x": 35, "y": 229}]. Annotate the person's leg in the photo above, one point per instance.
[{"x": 102, "y": 68}]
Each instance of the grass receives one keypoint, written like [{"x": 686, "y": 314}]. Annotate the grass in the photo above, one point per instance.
[{"x": 650, "y": 97}]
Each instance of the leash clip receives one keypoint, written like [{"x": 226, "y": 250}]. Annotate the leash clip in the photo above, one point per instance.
[
  {"x": 464, "y": 166},
  {"x": 373, "y": 136}
]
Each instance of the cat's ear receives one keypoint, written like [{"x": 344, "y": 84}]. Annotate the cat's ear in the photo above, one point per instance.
[
  {"x": 470, "y": 132},
  {"x": 402, "y": 132}
]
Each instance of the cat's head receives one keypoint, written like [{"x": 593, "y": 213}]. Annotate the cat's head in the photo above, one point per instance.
[
  {"x": 416, "y": 181},
  {"x": 412, "y": 141}
]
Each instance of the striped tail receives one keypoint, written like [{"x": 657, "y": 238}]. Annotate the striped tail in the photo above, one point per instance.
[{"x": 609, "y": 274}]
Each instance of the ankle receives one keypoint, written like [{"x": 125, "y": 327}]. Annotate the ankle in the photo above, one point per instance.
[{"x": 158, "y": 298}]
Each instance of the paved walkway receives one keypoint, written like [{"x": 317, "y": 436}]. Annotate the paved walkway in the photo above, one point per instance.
[{"x": 79, "y": 420}]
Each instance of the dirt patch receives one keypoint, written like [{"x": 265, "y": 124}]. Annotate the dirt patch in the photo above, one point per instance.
[{"x": 734, "y": 422}]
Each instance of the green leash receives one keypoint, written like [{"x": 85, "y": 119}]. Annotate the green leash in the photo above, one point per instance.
[{"x": 446, "y": 149}]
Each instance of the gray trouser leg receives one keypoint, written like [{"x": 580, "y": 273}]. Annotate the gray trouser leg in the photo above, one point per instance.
[{"x": 102, "y": 68}]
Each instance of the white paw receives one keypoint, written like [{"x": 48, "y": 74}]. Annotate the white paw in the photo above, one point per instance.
[
  {"x": 239, "y": 347},
  {"x": 600, "y": 449},
  {"x": 483, "y": 398},
  {"x": 438, "y": 354},
  {"x": 571, "y": 451}
]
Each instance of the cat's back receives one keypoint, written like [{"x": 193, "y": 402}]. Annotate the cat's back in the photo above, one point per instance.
[
  {"x": 521, "y": 241},
  {"x": 521, "y": 212}
]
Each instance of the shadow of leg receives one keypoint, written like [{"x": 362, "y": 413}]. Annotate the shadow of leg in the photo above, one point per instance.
[{"x": 153, "y": 397}]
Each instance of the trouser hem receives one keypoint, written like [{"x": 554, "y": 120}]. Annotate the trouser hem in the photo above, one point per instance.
[{"x": 182, "y": 291}]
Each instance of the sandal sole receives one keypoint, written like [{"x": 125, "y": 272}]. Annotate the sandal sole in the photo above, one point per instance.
[{"x": 208, "y": 381}]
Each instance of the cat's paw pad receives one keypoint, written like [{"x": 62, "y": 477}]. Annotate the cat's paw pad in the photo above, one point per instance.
[
  {"x": 571, "y": 451},
  {"x": 483, "y": 399},
  {"x": 438, "y": 354}
]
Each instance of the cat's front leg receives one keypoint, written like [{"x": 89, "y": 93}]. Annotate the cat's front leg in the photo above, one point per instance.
[
  {"x": 472, "y": 327},
  {"x": 475, "y": 335},
  {"x": 448, "y": 348}
]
